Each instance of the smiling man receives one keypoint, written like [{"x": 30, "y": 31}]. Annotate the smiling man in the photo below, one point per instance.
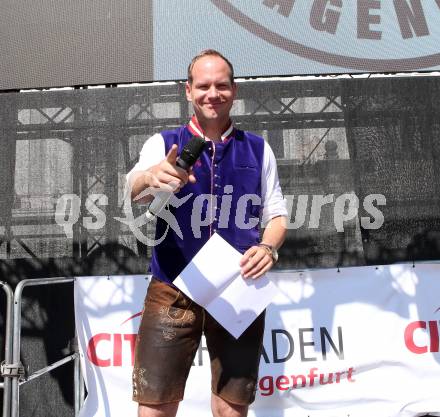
[{"x": 233, "y": 165}]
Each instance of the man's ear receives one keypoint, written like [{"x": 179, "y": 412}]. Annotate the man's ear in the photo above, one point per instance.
[{"x": 188, "y": 91}]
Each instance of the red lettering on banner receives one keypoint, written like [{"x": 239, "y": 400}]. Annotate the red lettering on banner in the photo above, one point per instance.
[
  {"x": 117, "y": 350},
  {"x": 329, "y": 379},
  {"x": 91, "y": 349},
  {"x": 409, "y": 337},
  {"x": 338, "y": 376},
  {"x": 118, "y": 347},
  {"x": 433, "y": 336},
  {"x": 312, "y": 375},
  {"x": 350, "y": 375},
  {"x": 268, "y": 383},
  {"x": 295, "y": 380},
  {"x": 282, "y": 380}
]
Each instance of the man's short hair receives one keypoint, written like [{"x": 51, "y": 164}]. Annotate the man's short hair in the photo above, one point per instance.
[{"x": 209, "y": 52}]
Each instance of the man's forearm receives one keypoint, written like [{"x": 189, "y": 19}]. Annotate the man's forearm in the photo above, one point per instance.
[{"x": 275, "y": 232}]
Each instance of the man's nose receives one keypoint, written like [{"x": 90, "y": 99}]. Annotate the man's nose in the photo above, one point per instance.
[{"x": 213, "y": 92}]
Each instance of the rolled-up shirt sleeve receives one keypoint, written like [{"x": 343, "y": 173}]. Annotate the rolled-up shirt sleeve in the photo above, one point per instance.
[{"x": 273, "y": 201}]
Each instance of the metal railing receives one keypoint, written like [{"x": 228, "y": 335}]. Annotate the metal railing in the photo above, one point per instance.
[
  {"x": 7, "y": 365},
  {"x": 12, "y": 369}
]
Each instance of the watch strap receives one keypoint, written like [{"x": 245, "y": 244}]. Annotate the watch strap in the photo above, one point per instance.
[{"x": 270, "y": 250}]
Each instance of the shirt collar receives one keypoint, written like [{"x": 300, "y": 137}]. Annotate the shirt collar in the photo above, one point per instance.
[{"x": 195, "y": 129}]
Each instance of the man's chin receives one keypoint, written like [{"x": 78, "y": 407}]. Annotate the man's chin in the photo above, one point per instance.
[{"x": 212, "y": 115}]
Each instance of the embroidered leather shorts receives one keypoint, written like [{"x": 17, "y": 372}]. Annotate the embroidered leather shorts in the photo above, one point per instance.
[{"x": 168, "y": 338}]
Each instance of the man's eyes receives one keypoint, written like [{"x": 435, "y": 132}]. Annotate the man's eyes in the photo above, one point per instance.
[{"x": 218, "y": 87}]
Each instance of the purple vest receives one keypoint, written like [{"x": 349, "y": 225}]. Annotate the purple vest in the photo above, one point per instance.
[{"x": 226, "y": 199}]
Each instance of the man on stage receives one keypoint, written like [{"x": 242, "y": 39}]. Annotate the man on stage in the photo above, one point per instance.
[{"x": 233, "y": 164}]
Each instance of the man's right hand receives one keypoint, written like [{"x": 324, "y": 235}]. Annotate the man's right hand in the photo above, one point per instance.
[{"x": 165, "y": 176}]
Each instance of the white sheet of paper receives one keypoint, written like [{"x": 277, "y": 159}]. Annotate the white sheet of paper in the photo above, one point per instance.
[{"x": 213, "y": 280}]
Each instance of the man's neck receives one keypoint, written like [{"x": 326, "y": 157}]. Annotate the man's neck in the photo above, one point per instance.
[{"x": 213, "y": 129}]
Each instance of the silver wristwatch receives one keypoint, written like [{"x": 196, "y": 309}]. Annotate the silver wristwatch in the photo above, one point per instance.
[{"x": 271, "y": 250}]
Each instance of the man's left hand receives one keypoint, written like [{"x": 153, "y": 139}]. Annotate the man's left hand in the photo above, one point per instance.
[{"x": 255, "y": 262}]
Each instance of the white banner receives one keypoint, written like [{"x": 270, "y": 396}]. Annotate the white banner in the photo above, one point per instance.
[
  {"x": 298, "y": 37},
  {"x": 358, "y": 342}
]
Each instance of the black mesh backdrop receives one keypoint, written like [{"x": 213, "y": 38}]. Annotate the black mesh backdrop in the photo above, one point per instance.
[
  {"x": 393, "y": 130},
  {"x": 358, "y": 161}
]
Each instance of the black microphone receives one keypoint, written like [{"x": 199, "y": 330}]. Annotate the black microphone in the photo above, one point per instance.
[{"x": 187, "y": 158}]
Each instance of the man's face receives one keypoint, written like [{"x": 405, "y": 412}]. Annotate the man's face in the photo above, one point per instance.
[{"x": 212, "y": 93}]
